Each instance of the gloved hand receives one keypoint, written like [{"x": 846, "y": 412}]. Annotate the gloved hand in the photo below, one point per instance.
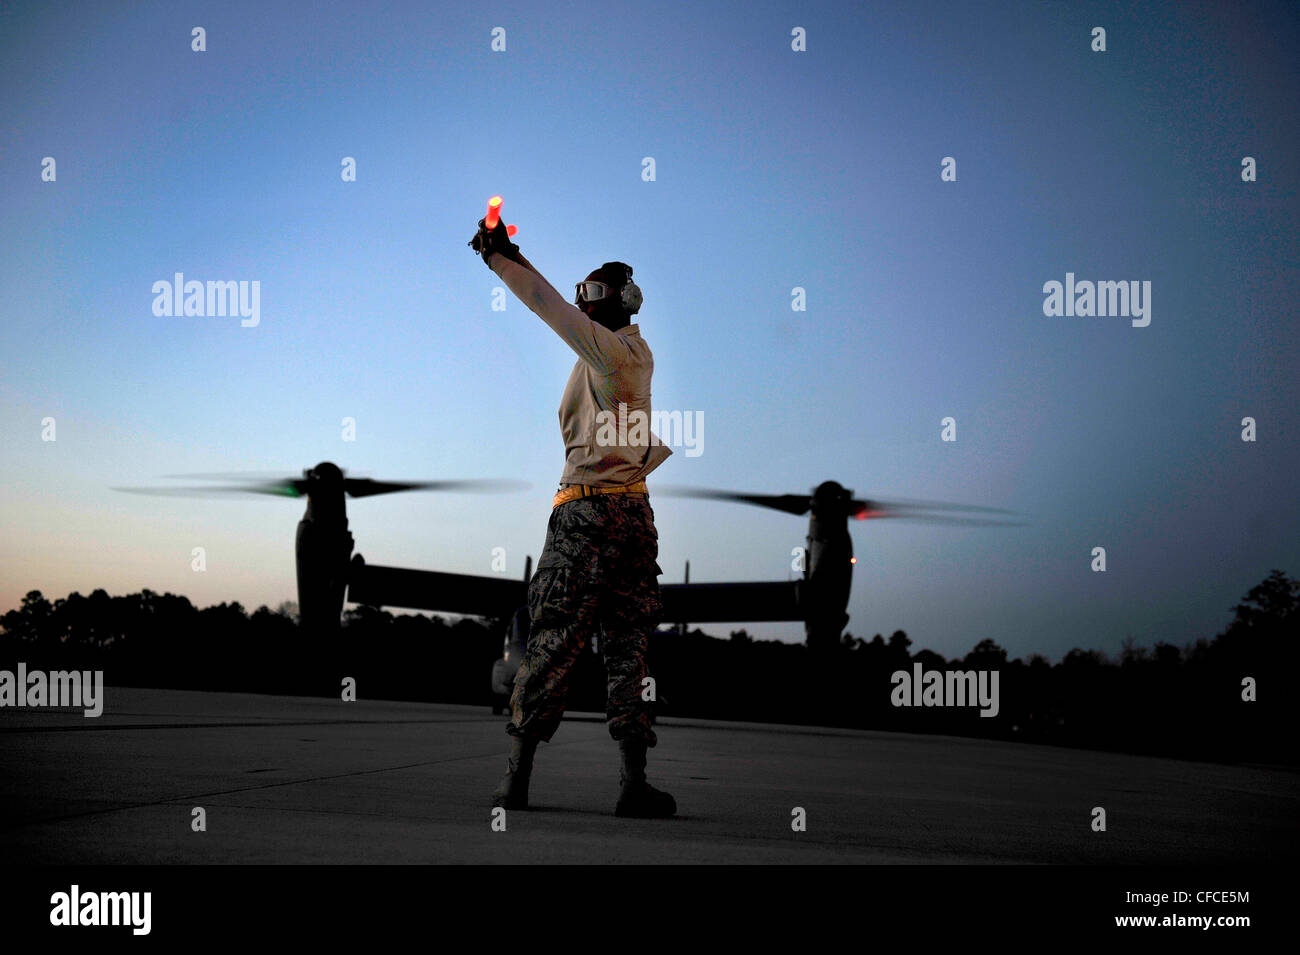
[{"x": 493, "y": 241}]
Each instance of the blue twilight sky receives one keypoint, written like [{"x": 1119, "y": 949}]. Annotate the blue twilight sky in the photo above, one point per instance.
[{"x": 774, "y": 169}]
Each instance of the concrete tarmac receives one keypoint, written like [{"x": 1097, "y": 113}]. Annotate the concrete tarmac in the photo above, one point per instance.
[{"x": 298, "y": 780}]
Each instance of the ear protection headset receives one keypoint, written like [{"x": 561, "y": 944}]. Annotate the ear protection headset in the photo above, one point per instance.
[{"x": 629, "y": 295}]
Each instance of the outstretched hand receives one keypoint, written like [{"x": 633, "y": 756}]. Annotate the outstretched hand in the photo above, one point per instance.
[{"x": 489, "y": 241}]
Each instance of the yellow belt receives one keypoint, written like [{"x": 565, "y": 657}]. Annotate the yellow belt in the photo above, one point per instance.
[{"x": 576, "y": 491}]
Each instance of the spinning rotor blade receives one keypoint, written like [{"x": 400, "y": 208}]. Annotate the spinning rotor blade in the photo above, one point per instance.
[
  {"x": 279, "y": 489},
  {"x": 861, "y": 509},
  {"x": 298, "y": 487},
  {"x": 241, "y": 476},
  {"x": 900, "y": 505},
  {"x": 789, "y": 503},
  {"x": 937, "y": 519},
  {"x": 365, "y": 487}
]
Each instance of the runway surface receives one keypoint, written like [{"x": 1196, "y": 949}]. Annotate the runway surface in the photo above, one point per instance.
[{"x": 295, "y": 780}]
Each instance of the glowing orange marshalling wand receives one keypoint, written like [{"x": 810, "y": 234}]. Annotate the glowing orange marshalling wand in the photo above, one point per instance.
[{"x": 494, "y": 215}]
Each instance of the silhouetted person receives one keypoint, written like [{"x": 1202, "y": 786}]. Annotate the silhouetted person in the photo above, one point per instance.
[{"x": 597, "y": 571}]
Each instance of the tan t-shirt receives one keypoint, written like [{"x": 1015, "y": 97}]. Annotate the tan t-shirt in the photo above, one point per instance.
[{"x": 612, "y": 375}]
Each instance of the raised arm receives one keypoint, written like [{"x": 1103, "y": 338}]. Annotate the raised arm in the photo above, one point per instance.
[
  {"x": 522, "y": 260},
  {"x": 592, "y": 342}
]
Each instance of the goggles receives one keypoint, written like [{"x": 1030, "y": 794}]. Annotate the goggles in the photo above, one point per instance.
[{"x": 592, "y": 291}]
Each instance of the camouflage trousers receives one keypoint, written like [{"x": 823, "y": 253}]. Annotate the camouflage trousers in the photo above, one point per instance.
[{"x": 597, "y": 575}]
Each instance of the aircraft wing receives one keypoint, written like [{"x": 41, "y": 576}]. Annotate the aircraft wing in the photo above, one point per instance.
[
  {"x": 469, "y": 594},
  {"x": 381, "y": 586}
]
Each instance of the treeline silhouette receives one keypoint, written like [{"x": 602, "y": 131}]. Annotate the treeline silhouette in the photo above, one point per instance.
[{"x": 1177, "y": 701}]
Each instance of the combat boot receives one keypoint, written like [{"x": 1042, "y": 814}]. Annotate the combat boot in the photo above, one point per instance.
[
  {"x": 513, "y": 791},
  {"x": 636, "y": 797}
]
